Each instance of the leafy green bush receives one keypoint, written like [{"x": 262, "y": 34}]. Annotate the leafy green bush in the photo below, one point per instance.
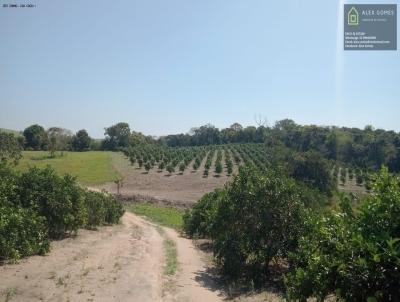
[
  {"x": 7, "y": 185},
  {"x": 257, "y": 217},
  {"x": 316, "y": 258},
  {"x": 199, "y": 220},
  {"x": 10, "y": 149},
  {"x": 218, "y": 167},
  {"x": 147, "y": 166},
  {"x": 95, "y": 206},
  {"x": 58, "y": 199},
  {"x": 354, "y": 255},
  {"x": 63, "y": 203},
  {"x": 102, "y": 208},
  {"x": 22, "y": 233},
  {"x": 39, "y": 204},
  {"x": 114, "y": 209},
  {"x": 170, "y": 169},
  {"x": 313, "y": 170}
]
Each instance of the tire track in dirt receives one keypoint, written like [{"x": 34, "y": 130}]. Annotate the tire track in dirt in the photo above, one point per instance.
[
  {"x": 192, "y": 283},
  {"x": 118, "y": 263}
]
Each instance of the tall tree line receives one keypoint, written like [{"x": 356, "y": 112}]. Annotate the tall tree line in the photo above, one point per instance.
[
  {"x": 35, "y": 137},
  {"x": 366, "y": 148}
]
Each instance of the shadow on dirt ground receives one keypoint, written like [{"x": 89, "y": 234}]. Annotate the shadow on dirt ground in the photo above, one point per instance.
[{"x": 271, "y": 290}]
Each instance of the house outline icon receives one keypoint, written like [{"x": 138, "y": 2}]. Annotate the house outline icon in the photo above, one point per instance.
[{"x": 352, "y": 16}]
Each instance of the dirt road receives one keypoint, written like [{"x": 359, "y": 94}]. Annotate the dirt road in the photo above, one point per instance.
[
  {"x": 193, "y": 283},
  {"x": 119, "y": 263}
]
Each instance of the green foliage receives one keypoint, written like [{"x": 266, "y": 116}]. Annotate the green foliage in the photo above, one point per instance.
[
  {"x": 147, "y": 166},
  {"x": 218, "y": 167},
  {"x": 58, "y": 199},
  {"x": 199, "y": 221},
  {"x": 10, "y": 149},
  {"x": 343, "y": 179},
  {"x": 312, "y": 169},
  {"x": 228, "y": 161},
  {"x": 113, "y": 209},
  {"x": 354, "y": 255},
  {"x": 22, "y": 233},
  {"x": 197, "y": 162},
  {"x": 170, "y": 169},
  {"x": 35, "y": 137},
  {"x": 368, "y": 148},
  {"x": 38, "y": 204},
  {"x": 161, "y": 165},
  {"x": 102, "y": 208},
  {"x": 96, "y": 210},
  {"x": 7, "y": 185},
  {"x": 58, "y": 139},
  {"x": 359, "y": 179},
  {"x": 256, "y": 218},
  {"x": 81, "y": 141},
  {"x": 315, "y": 259},
  {"x": 259, "y": 217},
  {"x": 182, "y": 167},
  {"x": 351, "y": 175},
  {"x": 117, "y": 136}
]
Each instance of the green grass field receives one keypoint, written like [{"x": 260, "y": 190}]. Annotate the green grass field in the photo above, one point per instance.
[
  {"x": 90, "y": 168},
  {"x": 169, "y": 217}
]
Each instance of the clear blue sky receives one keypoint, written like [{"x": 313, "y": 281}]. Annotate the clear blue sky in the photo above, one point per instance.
[{"x": 165, "y": 66}]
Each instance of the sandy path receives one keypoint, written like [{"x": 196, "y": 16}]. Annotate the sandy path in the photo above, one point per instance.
[
  {"x": 192, "y": 283},
  {"x": 119, "y": 263}
]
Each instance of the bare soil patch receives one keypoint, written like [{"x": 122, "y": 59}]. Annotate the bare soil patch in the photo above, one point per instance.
[{"x": 176, "y": 188}]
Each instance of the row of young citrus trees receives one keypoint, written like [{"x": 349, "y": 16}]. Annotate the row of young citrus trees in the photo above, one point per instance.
[
  {"x": 360, "y": 176},
  {"x": 181, "y": 158},
  {"x": 260, "y": 220}
]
